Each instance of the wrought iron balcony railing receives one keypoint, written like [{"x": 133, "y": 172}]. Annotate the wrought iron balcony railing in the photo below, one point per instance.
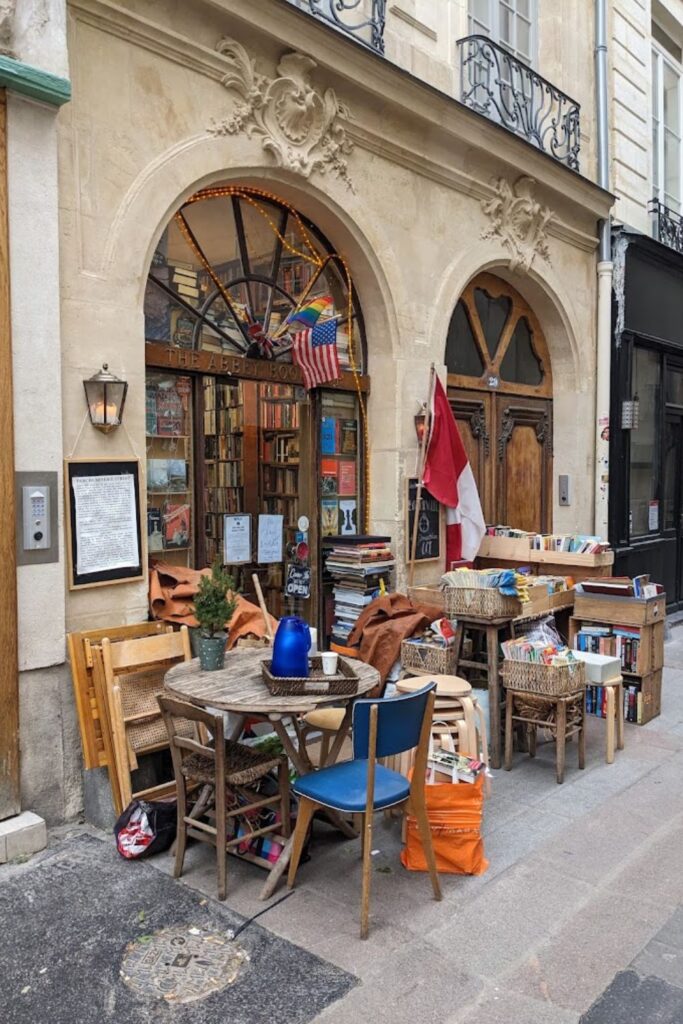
[
  {"x": 363, "y": 20},
  {"x": 498, "y": 85},
  {"x": 667, "y": 225}
]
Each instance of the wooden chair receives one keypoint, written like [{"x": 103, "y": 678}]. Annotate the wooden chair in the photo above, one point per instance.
[
  {"x": 380, "y": 729},
  {"x": 133, "y": 676},
  {"x": 226, "y": 768}
]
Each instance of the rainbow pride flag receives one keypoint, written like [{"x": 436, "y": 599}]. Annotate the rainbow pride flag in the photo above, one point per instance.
[{"x": 308, "y": 315}]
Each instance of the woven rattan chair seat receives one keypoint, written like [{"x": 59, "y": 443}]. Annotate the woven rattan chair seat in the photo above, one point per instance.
[{"x": 243, "y": 765}]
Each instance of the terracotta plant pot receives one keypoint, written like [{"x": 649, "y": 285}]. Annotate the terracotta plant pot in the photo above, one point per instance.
[{"x": 211, "y": 651}]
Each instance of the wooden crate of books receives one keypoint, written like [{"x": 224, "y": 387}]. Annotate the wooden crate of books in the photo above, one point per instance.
[{"x": 629, "y": 611}]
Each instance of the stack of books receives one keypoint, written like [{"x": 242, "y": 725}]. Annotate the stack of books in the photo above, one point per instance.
[
  {"x": 358, "y": 572},
  {"x": 621, "y": 642},
  {"x": 596, "y": 703},
  {"x": 578, "y": 543},
  {"x": 537, "y": 652}
]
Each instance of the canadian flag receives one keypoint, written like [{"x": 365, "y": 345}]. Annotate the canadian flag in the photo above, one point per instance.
[{"x": 448, "y": 477}]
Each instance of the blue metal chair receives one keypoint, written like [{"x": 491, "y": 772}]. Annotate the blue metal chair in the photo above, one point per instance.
[{"x": 380, "y": 729}]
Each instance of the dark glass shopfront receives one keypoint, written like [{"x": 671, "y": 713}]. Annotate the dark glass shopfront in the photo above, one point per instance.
[{"x": 646, "y": 458}]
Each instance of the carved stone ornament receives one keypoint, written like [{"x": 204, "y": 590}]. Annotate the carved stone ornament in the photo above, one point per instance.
[
  {"x": 519, "y": 220},
  {"x": 7, "y": 12},
  {"x": 299, "y": 125}
]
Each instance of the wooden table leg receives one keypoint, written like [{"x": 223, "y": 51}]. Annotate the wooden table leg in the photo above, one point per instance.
[
  {"x": 509, "y": 706},
  {"x": 238, "y": 728},
  {"x": 342, "y": 733},
  {"x": 277, "y": 871},
  {"x": 620, "y": 716},
  {"x": 582, "y": 734},
  {"x": 290, "y": 750},
  {"x": 610, "y": 723},
  {"x": 561, "y": 738},
  {"x": 457, "y": 645},
  {"x": 494, "y": 693}
]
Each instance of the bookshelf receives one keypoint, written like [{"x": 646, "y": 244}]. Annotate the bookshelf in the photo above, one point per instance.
[
  {"x": 223, "y": 419},
  {"x": 170, "y": 487},
  {"x": 631, "y": 629}
]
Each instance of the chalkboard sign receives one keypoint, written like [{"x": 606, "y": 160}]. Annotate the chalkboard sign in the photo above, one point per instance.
[
  {"x": 428, "y": 546},
  {"x": 298, "y": 582}
]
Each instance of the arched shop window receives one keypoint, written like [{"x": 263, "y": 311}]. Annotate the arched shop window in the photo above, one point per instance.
[
  {"x": 495, "y": 341},
  {"x": 230, "y": 428}
]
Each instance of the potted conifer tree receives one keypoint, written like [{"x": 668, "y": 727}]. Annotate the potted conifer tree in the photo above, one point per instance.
[{"x": 213, "y": 608}]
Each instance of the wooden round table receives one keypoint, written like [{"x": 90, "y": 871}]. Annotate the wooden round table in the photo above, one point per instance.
[{"x": 239, "y": 688}]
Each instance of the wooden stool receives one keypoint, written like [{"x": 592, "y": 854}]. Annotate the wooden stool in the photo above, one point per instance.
[
  {"x": 491, "y": 630},
  {"x": 456, "y": 708},
  {"x": 564, "y": 716},
  {"x": 615, "y": 711}
]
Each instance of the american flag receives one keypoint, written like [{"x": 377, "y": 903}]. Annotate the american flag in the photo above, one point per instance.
[{"x": 315, "y": 351}]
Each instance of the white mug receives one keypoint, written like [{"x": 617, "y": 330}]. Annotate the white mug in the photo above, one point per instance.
[{"x": 330, "y": 659}]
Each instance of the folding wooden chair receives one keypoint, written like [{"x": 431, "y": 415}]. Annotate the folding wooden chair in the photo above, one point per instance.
[{"x": 134, "y": 673}]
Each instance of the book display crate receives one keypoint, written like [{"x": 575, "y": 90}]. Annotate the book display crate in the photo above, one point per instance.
[
  {"x": 510, "y": 552},
  {"x": 633, "y": 630}
]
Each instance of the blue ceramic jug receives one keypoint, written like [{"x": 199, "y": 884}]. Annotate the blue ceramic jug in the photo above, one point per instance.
[{"x": 290, "y": 648}]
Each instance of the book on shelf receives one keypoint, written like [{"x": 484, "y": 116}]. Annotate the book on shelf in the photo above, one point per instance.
[
  {"x": 328, "y": 436},
  {"x": 155, "y": 539},
  {"x": 356, "y": 570},
  {"x": 329, "y": 517},
  {"x": 576, "y": 543},
  {"x": 348, "y": 437},
  {"x": 348, "y": 525},
  {"x": 347, "y": 478},
  {"x": 622, "y": 642},
  {"x": 329, "y": 481},
  {"x": 151, "y": 409},
  {"x": 170, "y": 413},
  {"x": 176, "y": 522}
]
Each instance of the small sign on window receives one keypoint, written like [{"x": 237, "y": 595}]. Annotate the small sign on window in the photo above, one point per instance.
[{"x": 653, "y": 516}]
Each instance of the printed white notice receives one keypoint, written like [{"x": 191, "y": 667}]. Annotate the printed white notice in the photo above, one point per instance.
[
  {"x": 270, "y": 539},
  {"x": 236, "y": 539},
  {"x": 106, "y": 523}
]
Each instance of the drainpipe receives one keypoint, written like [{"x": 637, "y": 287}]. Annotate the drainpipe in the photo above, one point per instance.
[{"x": 604, "y": 283}]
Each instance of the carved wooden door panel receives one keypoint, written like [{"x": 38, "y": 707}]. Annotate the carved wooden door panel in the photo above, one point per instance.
[
  {"x": 473, "y": 411},
  {"x": 523, "y": 462}
]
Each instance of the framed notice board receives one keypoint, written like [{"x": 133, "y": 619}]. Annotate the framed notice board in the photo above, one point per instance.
[
  {"x": 103, "y": 521},
  {"x": 428, "y": 548}
]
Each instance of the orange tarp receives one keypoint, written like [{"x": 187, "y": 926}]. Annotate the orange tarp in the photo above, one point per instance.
[{"x": 171, "y": 594}]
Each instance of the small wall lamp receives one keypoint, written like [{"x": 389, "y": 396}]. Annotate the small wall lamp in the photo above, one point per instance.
[
  {"x": 105, "y": 394},
  {"x": 421, "y": 422}
]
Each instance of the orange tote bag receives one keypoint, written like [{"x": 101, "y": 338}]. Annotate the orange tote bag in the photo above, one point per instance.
[{"x": 454, "y": 811}]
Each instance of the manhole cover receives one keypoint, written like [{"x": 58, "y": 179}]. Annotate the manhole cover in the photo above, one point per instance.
[{"x": 181, "y": 964}]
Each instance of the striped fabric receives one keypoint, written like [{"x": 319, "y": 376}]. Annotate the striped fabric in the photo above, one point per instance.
[{"x": 315, "y": 351}]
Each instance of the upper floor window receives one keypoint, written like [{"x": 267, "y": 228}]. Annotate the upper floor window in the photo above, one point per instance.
[
  {"x": 667, "y": 129},
  {"x": 511, "y": 23}
]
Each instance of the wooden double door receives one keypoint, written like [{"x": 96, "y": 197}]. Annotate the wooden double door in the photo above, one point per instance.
[
  {"x": 500, "y": 390},
  {"x": 508, "y": 439}
]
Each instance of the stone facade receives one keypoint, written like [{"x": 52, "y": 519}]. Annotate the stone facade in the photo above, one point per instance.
[{"x": 419, "y": 194}]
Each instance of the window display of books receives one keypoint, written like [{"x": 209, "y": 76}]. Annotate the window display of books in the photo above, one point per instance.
[
  {"x": 168, "y": 423},
  {"x": 223, "y": 417},
  {"x": 358, "y": 571},
  {"x": 279, "y": 420}
]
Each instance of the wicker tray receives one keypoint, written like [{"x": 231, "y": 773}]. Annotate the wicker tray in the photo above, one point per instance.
[
  {"x": 427, "y": 658},
  {"x": 545, "y": 680},
  {"x": 480, "y": 603},
  {"x": 344, "y": 683}
]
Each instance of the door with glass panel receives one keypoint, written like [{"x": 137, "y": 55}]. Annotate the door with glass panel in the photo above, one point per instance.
[
  {"x": 672, "y": 483},
  {"x": 500, "y": 389}
]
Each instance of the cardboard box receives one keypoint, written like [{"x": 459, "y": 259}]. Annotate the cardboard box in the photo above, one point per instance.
[{"x": 600, "y": 668}]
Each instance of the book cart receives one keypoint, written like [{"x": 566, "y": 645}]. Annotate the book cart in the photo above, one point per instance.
[{"x": 626, "y": 616}]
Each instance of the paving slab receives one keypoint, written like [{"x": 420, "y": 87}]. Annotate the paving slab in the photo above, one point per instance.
[
  {"x": 500, "y": 1006},
  {"x": 75, "y": 911},
  {"x": 630, "y": 999}
]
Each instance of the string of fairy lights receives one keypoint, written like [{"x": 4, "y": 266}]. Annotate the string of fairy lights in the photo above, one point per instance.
[{"x": 255, "y": 197}]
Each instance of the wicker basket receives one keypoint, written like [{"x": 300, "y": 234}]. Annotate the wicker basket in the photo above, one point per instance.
[
  {"x": 343, "y": 684},
  {"x": 545, "y": 680},
  {"x": 426, "y": 658},
  {"x": 480, "y": 603}
]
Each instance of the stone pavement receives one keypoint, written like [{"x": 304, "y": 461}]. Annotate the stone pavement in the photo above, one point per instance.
[{"x": 578, "y": 920}]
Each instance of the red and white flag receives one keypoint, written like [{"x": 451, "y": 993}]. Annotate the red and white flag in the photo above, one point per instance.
[
  {"x": 448, "y": 477},
  {"x": 315, "y": 351}
]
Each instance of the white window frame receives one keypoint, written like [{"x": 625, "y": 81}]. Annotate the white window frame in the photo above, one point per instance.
[
  {"x": 492, "y": 28},
  {"x": 660, "y": 57}
]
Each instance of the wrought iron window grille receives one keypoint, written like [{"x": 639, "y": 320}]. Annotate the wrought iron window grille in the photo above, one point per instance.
[
  {"x": 667, "y": 225},
  {"x": 503, "y": 88},
  {"x": 363, "y": 20}
]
